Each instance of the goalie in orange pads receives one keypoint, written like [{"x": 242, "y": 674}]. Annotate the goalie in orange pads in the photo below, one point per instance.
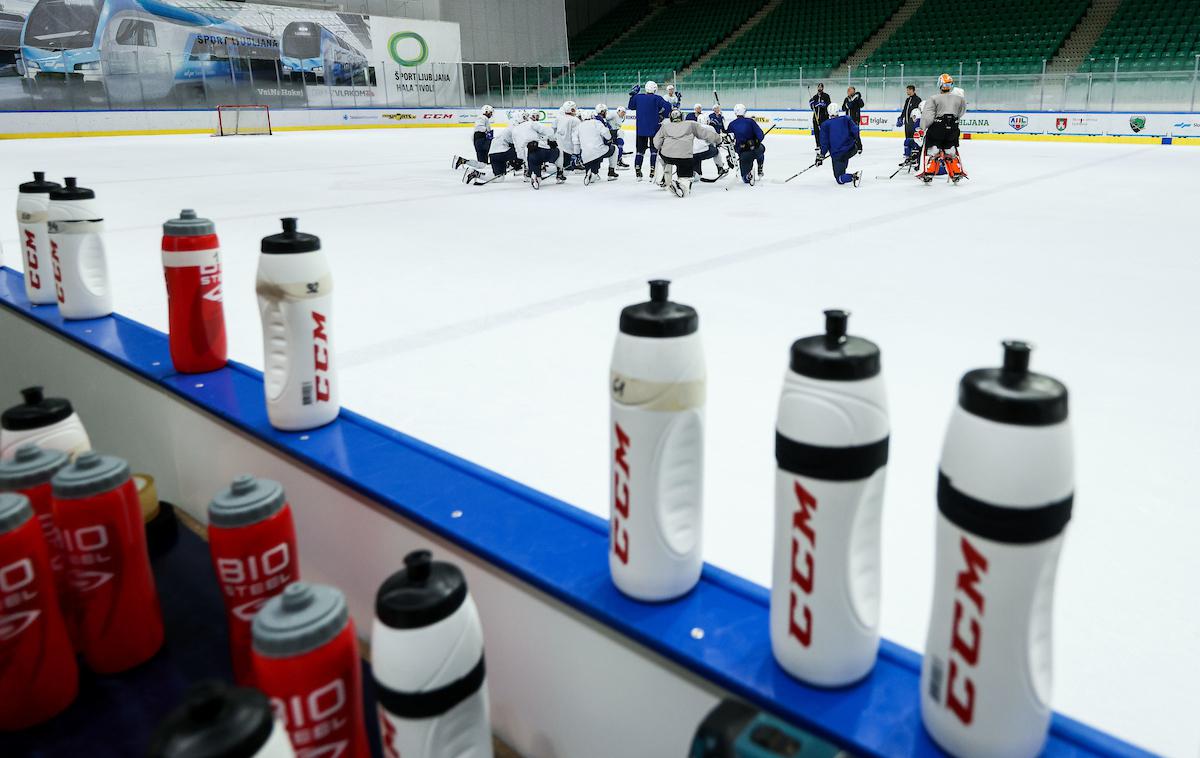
[{"x": 940, "y": 115}]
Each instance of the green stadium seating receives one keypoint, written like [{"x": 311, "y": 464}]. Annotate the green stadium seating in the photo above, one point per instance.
[
  {"x": 1149, "y": 35},
  {"x": 799, "y": 33},
  {"x": 675, "y": 37},
  {"x": 606, "y": 28},
  {"x": 1010, "y": 37}
]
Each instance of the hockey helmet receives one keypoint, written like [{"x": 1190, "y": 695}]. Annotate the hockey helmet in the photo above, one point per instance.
[
  {"x": 568, "y": 106},
  {"x": 697, "y": 108},
  {"x": 487, "y": 110},
  {"x": 945, "y": 82},
  {"x": 676, "y": 115},
  {"x": 601, "y": 108},
  {"x": 739, "y": 110},
  {"x": 915, "y": 114},
  {"x": 652, "y": 86}
]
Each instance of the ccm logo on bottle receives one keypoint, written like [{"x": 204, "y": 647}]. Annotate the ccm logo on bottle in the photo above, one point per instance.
[
  {"x": 620, "y": 495},
  {"x": 58, "y": 288},
  {"x": 321, "y": 358},
  {"x": 964, "y": 649},
  {"x": 31, "y": 260},
  {"x": 804, "y": 542}
]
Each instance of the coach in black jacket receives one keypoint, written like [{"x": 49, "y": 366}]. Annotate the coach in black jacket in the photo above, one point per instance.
[
  {"x": 853, "y": 104},
  {"x": 911, "y": 102}
]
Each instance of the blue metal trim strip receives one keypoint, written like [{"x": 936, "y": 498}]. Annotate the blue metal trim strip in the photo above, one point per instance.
[
  {"x": 554, "y": 547},
  {"x": 472, "y": 110}
]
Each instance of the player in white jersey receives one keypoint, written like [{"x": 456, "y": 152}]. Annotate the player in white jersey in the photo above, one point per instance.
[
  {"x": 536, "y": 138},
  {"x": 615, "y": 120},
  {"x": 566, "y": 134},
  {"x": 596, "y": 144}
]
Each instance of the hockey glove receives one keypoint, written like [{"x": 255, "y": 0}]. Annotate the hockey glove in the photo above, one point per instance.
[
  {"x": 820, "y": 159},
  {"x": 487, "y": 134},
  {"x": 553, "y": 145},
  {"x": 899, "y": 120},
  {"x": 636, "y": 89}
]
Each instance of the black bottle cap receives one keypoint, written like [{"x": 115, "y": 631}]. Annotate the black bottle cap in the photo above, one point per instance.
[
  {"x": 290, "y": 240},
  {"x": 835, "y": 355},
  {"x": 215, "y": 721},
  {"x": 1013, "y": 394},
  {"x": 39, "y": 185},
  {"x": 424, "y": 592},
  {"x": 659, "y": 317},
  {"x": 36, "y": 412},
  {"x": 71, "y": 191}
]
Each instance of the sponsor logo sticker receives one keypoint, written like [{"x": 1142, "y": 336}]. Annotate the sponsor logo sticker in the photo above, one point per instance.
[
  {"x": 1018, "y": 122},
  {"x": 397, "y": 49},
  {"x": 1137, "y": 123},
  {"x": 1060, "y": 124}
]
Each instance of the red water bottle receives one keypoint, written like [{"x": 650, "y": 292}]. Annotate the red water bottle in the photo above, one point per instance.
[
  {"x": 97, "y": 511},
  {"x": 29, "y": 474},
  {"x": 191, "y": 259},
  {"x": 252, "y": 540},
  {"x": 306, "y": 660},
  {"x": 38, "y": 674}
]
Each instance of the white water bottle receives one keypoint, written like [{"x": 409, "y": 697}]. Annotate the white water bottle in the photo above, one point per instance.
[
  {"x": 76, "y": 231},
  {"x": 428, "y": 666},
  {"x": 48, "y": 422},
  {"x": 831, "y": 451},
  {"x": 220, "y": 721},
  {"x": 295, "y": 299},
  {"x": 656, "y": 439},
  {"x": 1005, "y": 491},
  {"x": 33, "y": 202}
]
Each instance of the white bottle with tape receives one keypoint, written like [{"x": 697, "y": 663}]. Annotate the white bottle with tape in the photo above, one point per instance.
[
  {"x": 831, "y": 451},
  {"x": 33, "y": 202},
  {"x": 48, "y": 422},
  {"x": 427, "y": 662},
  {"x": 1005, "y": 492},
  {"x": 656, "y": 449},
  {"x": 76, "y": 229},
  {"x": 295, "y": 299},
  {"x": 219, "y": 721}
]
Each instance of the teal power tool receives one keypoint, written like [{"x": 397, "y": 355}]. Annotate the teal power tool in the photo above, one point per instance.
[{"x": 736, "y": 730}]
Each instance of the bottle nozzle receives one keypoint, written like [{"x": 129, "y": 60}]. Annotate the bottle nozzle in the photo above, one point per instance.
[
  {"x": 39, "y": 176},
  {"x": 1016, "y": 356},
  {"x": 187, "y": 214},
  {"x": 289, "y": 225},
  {"x": 69, "y": 181},
  {"x": 835, "y": 327},
  {"x": 89, "y": 460},
  {"x": 242, "y": 485},
  {"x": 297, "y": 596},
  {"x": 32, "y": 395},
  {"x": 659, "y": 289},
  {"x": 418, "y": 564}
]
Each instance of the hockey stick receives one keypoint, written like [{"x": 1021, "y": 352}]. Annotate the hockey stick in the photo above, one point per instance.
[
  {"x": 716, "y": 98},
  {"x": 793, "y": 176}
]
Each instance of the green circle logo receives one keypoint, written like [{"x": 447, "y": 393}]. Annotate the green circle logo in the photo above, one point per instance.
[{"x": 399, "y": 37}]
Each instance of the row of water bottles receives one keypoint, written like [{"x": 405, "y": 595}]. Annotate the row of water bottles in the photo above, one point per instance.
[
  {"x": 65, "y": 264},
  {"x": 1004, "y": 497}
]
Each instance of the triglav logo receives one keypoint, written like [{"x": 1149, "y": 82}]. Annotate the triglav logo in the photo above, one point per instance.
[
  {"x": 1018, "y": 122},
  {"x": 1137, "y": 123},
  {"x": 394, "y": 48}
]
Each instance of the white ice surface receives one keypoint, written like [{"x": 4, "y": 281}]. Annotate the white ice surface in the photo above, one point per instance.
[{"x": 481, "y": 320}]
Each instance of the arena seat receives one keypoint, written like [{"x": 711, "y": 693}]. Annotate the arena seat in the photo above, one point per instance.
[
  {"x": 1148, "y": 35},
  {"x": 606, "y": 28},
  {"x": 1013, "y": 37}
]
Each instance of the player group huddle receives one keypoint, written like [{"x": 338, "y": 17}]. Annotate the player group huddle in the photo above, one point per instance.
[{"x": 531, "y": 147}]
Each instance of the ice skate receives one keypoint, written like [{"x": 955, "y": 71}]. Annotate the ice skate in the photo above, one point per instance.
[
  {"x": 612, "y": 174},
  {"x": 535, "y": 181},
  {"x": 857, "y": 178}
]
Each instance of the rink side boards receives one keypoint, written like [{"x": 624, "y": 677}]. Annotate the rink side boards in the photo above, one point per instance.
[
  {"x": 1142, "y": 127},
  {"x": 574, "y": 668}
]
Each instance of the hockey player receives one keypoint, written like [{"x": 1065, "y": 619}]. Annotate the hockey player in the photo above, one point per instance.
[
  {"x": 703, "y": 149},
  {"x": 566, "y": 134},
  {"x": 483, "y": 134},
  {"x": 541, "y": 148},
  {"x": 615, "y": 120},
  {"x": 596, "y": 144},
  {"x": 673, "y": 98},
  {"x": 940, "y": 115},
  {"x": 819, "y": 105},
  {"x": 910, "y": 113},
  {"x": 853, "y": 104},
  {"x": 840, "y": 138},
  {"x": 716, "y": 120},
  {"x": 502, "y": 154},
  {"x": 650, "y": 109},
  {"x": 747, "y": 141},
  {"x": 674, "y": 140}
]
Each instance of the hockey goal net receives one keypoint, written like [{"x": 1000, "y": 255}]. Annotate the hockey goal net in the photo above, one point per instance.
[{"x": 242, "y": 119}]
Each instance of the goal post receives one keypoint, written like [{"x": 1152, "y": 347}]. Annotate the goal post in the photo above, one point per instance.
[{"x": 242, "y": 119}]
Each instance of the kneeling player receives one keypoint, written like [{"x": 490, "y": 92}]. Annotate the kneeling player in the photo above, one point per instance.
[
  {"x": 940, "y": 115},
  {"x": 747, "y": 139},
  {"x": 674, "y": 142},
  {"x": 596, "y": 144},
  {"x": 840, "y": 138}
]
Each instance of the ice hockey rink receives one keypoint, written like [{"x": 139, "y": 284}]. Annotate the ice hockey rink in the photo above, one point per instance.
[{"x": 480, "y": 319}]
